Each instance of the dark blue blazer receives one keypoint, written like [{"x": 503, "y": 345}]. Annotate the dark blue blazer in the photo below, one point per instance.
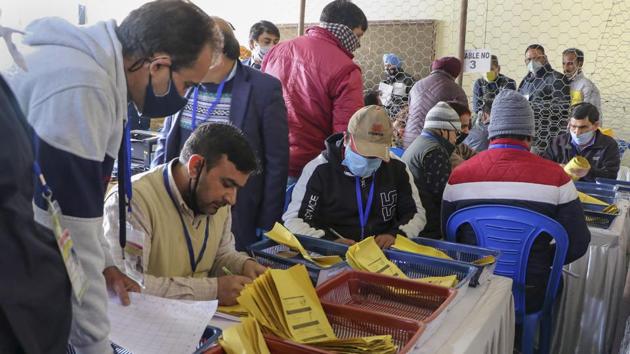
[{"x": 258, "y": 109}]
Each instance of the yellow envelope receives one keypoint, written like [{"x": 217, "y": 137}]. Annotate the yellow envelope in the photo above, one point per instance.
[
  {"x": 234, "y": 310},
  {"x": 301, "y": 307},
  {"x": 587, "y": 199},
  {"x": 576, "y": 97},
  {"x": 608, "y": 131},
  {"x": 244, "y": 337},
  {"x": 448, "y": 281},
  {"x": 283, "y": 236},
  {"x": 366, "y": 255},
  {"x": 404, "y": 244}
]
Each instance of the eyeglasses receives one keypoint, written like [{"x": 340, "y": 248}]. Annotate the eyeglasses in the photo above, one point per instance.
[{"x": 457, "y": 131}]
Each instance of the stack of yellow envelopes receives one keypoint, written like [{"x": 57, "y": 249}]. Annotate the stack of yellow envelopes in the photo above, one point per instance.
[
  {"x": 282, "y": 236},
  {"x": 284, "y": 302},
  {"x": 367, "y": 256},
  {"x": 244, "y": 337}
]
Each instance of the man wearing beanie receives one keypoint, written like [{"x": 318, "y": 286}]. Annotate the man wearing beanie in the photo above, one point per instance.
[
  {"x": 439, "y": 86},
  {"x": 356, "y": 188},
  {"x": 508, "y": 173},
  {"x": 428, "y": 159}
]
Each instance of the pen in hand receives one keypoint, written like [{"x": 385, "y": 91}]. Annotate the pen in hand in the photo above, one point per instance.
[{"x": 227, "y": 271}]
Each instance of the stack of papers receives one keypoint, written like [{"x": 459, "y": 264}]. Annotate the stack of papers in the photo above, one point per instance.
[
  {"x": 244, "y": 337},
  {"x": 367, "y": 256},
  {"x": 285, "y": 303},
  {"x": 367, "y": 345},
  {"x": 153, "y": 324},
  {"x": 404, "y": 244},
  {"x": 282, "y": 236}
]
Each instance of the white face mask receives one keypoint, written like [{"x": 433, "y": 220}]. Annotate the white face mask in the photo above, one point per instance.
[
  {"x": 534, "y": 66},
  {"x": 259, "y": 52}
]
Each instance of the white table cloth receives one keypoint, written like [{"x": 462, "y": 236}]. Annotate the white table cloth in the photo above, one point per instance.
[{"x": 590, "y": 305}]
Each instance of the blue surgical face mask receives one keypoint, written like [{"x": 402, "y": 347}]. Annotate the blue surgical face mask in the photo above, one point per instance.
[
  {"x": 583, "y": 138},
  {"x": 161, "y": 106},
  {"x": 360, "y": 166}
]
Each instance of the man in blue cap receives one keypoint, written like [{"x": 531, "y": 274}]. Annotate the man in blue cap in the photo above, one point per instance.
[{"x": 399, "y": 80}]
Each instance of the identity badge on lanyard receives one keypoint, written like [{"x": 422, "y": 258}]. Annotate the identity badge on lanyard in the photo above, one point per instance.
[
  {"x": 194, "y": 261},
  {"x": 77, "y": 276},
  {"x": 363, "y": 214},
  {"x": 213, "y": 105}
]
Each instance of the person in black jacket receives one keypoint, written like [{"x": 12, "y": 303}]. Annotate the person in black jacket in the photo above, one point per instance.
[
  {"x": 35, "y": 291},
  {"x": 429, "y": 160},
  {"x": 356, "y": 188},
  {"x": 585, "y": 139},
  {"x": 490, "y": 85},
  {"x": 548, "y": 93}
]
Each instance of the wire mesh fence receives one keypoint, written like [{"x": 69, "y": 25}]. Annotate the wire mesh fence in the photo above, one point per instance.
[{"x": 599, "y": 28}]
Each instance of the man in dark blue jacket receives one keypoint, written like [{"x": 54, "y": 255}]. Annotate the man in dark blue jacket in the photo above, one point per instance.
[
  {"x": 548, "y": 93},
  {"x": 252, "y": 101},
  {"x": 35, "y": 290}
]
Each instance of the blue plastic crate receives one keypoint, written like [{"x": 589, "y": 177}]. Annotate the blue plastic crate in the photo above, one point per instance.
[
  {"x": 265, "y": 252},
  {"x": 418, "y": 266},
  {"x": 462, "y": 253}
]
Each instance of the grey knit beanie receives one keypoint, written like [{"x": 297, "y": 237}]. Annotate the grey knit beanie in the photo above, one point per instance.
[
  {"x": 511, "y": 114},
  {"x": 442, "y": 116}
]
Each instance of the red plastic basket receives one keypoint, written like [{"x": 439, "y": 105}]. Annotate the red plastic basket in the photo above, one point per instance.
[
  {"x": 350, "y": 323},
  {"x": 384, "y": 294}
]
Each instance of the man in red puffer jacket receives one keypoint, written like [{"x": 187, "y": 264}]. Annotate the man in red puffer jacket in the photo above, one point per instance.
[{"x": 322, "y": 86}]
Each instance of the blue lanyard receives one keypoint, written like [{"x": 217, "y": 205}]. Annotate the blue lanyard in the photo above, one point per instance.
[
  {"x": 191, "y": 253},
  {"x": 508, "y": 146},
  {"x": 363, "y": 217},
  {"x": 213, "y": 105}
]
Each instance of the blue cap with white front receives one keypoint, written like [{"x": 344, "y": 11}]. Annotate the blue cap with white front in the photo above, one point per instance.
[{"x": 392, "y": 59}]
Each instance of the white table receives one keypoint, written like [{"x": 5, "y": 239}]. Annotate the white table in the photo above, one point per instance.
[
  {"x": 482, "y": 321},
  {"x": 587, "y": 315}
]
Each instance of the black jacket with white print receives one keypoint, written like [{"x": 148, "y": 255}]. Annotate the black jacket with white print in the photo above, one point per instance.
[{"x": 325, "y": 198}]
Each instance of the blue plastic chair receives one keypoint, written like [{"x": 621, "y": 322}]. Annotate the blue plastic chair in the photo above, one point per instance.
[
  {"x": 287, "y": 196},
  {"x": 397, "y": 151},
  {"x": 512, "y": 231}
]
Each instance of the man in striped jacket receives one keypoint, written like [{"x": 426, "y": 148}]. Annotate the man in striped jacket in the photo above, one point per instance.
[{"x": 508, "y": 173}]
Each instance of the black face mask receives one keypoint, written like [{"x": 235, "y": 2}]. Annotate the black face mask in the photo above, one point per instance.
[
  {"x": 161, "y": 106},
  {"x": 460, "y": 138}
]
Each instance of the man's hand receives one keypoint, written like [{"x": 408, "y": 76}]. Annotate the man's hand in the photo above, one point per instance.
[
  {"x": 121, "y": 284},
  {"x": 384, "y": 240},
  {"x": 345, "y": 241},
  {"x": 229, "y": 288},
  {"x": 253, "y": 269}
]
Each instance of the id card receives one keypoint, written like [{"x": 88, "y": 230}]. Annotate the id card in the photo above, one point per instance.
[
  {"x": 68, "y": 253},
  {"x": 133, "y": 255}
]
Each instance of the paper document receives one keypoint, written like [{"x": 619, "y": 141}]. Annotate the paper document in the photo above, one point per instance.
[
  {"x": 153, "y": 324},
  {"x": 283, "y": 236},
  {"x": 386, "y": 93}
]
